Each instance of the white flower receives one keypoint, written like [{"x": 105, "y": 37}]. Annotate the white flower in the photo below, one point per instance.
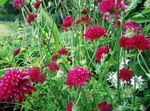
[
  {"x": 122, "y": 63},
  {"x": 139, "y": 82}
]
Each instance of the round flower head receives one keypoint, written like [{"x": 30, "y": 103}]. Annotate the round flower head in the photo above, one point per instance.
[
  {"x": 77, "y": 77},
  {"x": 31, "y": 17},
  {"x": 94, "y": 32},
  {"x": 52, "y": 66},
  {"x": 14, "y": 84},
  {"x": 103, "y": 106},
  {"x": 37, "y": 4},
  {"x": 131, "y": 25},
  {"x": 35, "y": 75},
  {"x": 62, "y": 51},
  {"x": 125, "y": 74},
  {"x": 67, "y": 22},
  {"x": 16, "y": 3},
  {"x": 54, "y": 57},
  {"x": 100, "y": 51},
  {"x": 69, "y": 106},
  {"x": 126, "y": 42},
  {"x": 85, "y": 10}
]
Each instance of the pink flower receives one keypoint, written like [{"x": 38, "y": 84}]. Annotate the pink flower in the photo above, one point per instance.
[
  {"x": 100, "y": 51},
  {"x": 111, "y": 6},
  {"x": 16, "y": 3},
  {"x": 69, "y": 106},
  {"x": 125, "y": 74},
  {"x": 103, "y": 106},
  {"x": 31, "y": 17},
  {"x": 35, "y": 75},
  {"x": 14, "y": 84},
  {"x": 131, "y": 25},
  {"x": 77, "y": 77},
  {"x": 62, "y": 51},
  {"x": 16, "y": 52},
  {"x": 67, "y": 22},
  {"x": 52, "y": 66},
  {"x": 94, "y": 32},
  {"x": 37, "y": 4}
]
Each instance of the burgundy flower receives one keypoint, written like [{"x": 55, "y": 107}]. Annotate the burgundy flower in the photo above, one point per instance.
[
  {"x": 14, "y": 84},
  {"x": 52, "y": 66},
  {"x": 31, "y": 17},
  {"x": 16, "y": 52},
  {"x": 100, "y": 51},
  {"x": 125, "y": 74},
  {"x": 37, "y": 4},
  {"x": 54, "y": 57},
  {"x": 62, "y": 51},
  {"x": 77, "y": 77},
  {"x": 126, "y": 42},
  {"x": 69, "y": 106},
  {"x": 84, "y": 19},
  {"x": 35, "y": 75},
  {"x": 85, "y": 10},
  {"x": 94, "y": 32},
  {"x": 117, "y": 23},
  {"x": 131, "y": 25},
  {"x": 16, "y": 3},
  {"x": 103, "y": 106},
  {"x": 140, "y": 42},
  {"x": 67, "y": 22}
]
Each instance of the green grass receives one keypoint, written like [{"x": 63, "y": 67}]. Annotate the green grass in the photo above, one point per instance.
[{"x": 7, "y": 28}]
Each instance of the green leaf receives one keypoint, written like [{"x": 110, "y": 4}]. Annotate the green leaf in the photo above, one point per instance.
[{"x": 50, "y": 22}]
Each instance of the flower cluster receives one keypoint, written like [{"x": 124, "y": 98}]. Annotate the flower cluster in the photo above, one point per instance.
[
  {"x": 14, "y": 84},
  {"x": 52, "y": 66},
  {"x": 137, "y": 41},
  {"x": 110, "y": 6},
  {"x": 103, "y": 106},
  {"x": 35, "y": 75},
  {"x": 16, "y": 51},
  {"x": 100, "y": 51},
  {"x": 85, "y": 10},
  {"x": 132, "y": 26},
  {"x": 67, "y": 22},
  {"x": 84, "y": 19},
  {"x": 69, "y": 106},
  {"x": 62, "y": 51},
  {"x": 37, "y": 4},
  {"x": 125, "y": 74},
  {"x": 16, "y": 3},
  {"x": 77, "y": 77},
  {"x": 31, "y": 17},
  {"x": 95, "y": 32}
]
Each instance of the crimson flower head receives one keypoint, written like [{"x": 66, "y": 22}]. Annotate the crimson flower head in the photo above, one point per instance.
[
  {"x": 95, "y": 32},
  {"x": 67, "y": 22},
  {"x": 103, "y": 106},
  {"x": 16, "y": 52},
  {"x": 125, "y": 74},
  {"x": 132, "y": 26},
  {"x": 54, "y": 57},
  {"x": 100, "y": 51},
  {"x": 84, "y": 19},
  {"x": 77, "y": 77},
  {"x": 37, "y": 4},
  {"x": 141, "y": 42},
  {"x": 62, "y": 51},
  {"x": 52, "y": 66},
  {"x": 14, "y": 84},
  {"x": 126, "y": 42},
  {"x": 85, "y": 10},
  {"x": 69, "y": 106},
  {"x": 35, "y": 75},
  {"x": 31, "y": 17},
  {"x": 16, "y": 3}
]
